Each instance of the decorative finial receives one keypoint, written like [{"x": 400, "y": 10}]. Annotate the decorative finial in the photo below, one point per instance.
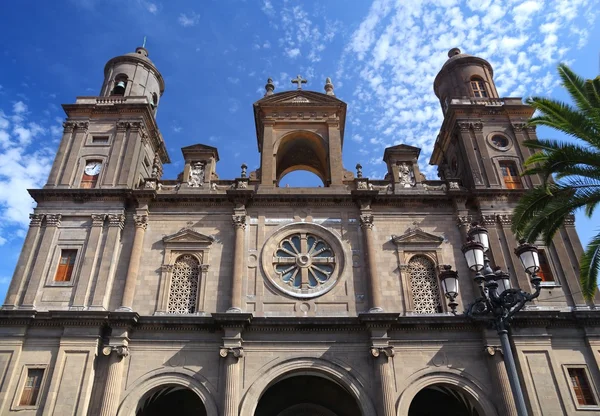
[
  {"x": 244, "y": 168},
  {"x": 328, "y": 86},
  {"x": 298, "y": 80},
  {"x": 270, "y": 87},
  {"x": 453, "y": 51},
  {"x": 358, "y": 170}
]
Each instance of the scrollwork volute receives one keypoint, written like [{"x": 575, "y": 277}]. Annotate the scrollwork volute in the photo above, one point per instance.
[
  {"x": 235, "y": 352},
  {"x": 386, "y": 352}
]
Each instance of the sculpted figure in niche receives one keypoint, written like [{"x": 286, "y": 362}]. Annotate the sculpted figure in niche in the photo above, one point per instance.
[
  {"x": 196, "y": 174},
  {"x": 406, "y": 175}
]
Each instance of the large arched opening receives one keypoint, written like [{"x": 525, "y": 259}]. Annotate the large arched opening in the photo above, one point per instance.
[
  {"x": 307, "y": 395},
  {"x": 175, "y": 400},
  {"x": 302, "y": 150},
  {"x": 440, "y": 399}
]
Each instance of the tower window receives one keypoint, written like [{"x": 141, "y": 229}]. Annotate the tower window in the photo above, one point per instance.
[
  {"x": 424, "y": 287},
  {"x": 581, "y": 386},
  {"x": 91, "y": 172},
  {"x": 31, "y": 388},
  {"x": 510, "y": 175},
  {"x": 120, "y": 85},
  {"x": 478, "y": 87},
  {"x": 64, "y": 271},
  {"x": 154, "y": 100},
  {"x": 545, "y": 272}
]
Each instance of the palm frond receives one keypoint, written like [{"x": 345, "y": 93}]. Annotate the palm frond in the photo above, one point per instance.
[{"x": 589, "y": 266}]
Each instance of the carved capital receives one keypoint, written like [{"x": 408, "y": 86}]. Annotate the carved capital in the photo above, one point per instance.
[
  {"x": 366, "y": 221},
  {"x": 53, "y": 220},
  {"x": 141, "y": 221},
  {"x": 116, "y": 220},
  {"x": 488, "y": 219},
  {"x": 239, "y": 221},
  {"x": 98, "y": 220},
  {"x": 518, "y": 126},
  {"x": 136, "y": 125},
  {"x": 463, "y": 220},
  {"x": 35, "y": 220},
  {"x": 477, "y": 126},
  {"x": 382, "y": 351},
  {"x": 204, "y": 267},
  {"x": 168, "y": 268},
  {"x": 82, "y": 125},
  {"x": 121, "y": 351},
  {"x": 122, "y": 125},
  {"x": 463, "y": 125},
  {"x": 504, "y": 219},
  {"x": 570, "y": 220},
  {"x": 530, "y": 128},
  {"x": 235, "y": 352},
  {"x": 69, "y": 126}
]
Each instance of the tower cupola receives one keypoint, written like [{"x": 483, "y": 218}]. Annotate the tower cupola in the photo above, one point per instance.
[
  {"x": 464, "y": 76},
  {"x": 133, "y": 75}
]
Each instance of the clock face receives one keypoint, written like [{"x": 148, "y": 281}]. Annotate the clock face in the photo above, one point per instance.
[{"x": 93, "y": 168}]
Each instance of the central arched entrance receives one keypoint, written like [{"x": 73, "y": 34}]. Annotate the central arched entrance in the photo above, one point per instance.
[
  {"x": 441, "y": 400},
  {"x": 307, "y": 395},
  {"x": 171, "y": 400}
]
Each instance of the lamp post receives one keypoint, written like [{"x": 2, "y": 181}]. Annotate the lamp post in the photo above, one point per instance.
[{"x": 497, "y": 299}]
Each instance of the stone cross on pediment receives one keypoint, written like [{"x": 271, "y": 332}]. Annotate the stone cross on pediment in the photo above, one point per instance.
[{"x": 298, "y": 80}]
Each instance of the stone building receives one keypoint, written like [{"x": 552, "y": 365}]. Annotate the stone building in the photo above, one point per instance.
[{"x": 140, "y": 295}]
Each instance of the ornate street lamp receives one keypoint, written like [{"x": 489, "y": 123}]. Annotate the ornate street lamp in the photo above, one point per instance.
[{"x": 497, "y": 299}]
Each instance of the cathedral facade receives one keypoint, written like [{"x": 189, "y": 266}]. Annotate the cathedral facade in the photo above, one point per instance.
[{"x": 138, "y": 295}]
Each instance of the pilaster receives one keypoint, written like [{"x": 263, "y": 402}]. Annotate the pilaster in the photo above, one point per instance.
[{"x": 141, "y": 223}]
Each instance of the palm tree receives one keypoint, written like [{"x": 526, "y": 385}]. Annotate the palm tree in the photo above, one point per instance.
[{"x": 570, "y": 171}]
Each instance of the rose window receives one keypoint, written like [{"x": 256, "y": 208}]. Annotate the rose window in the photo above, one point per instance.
[
  {"x": 303, "y": 262},
  {"x": 184, "y": 285}
]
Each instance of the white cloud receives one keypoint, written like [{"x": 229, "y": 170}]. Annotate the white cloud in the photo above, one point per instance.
[
  {"x": 19, "y": 107},
  {"x": 152, "y": 8},
  {"x": 293, "y": 53},
  {"x": 233, "y": 80},
  {"x": 188, "y": 20}
]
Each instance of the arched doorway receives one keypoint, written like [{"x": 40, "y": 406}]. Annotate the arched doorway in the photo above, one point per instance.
[
  {"x": 171, "y": 400},
  {"x": 307, "y": 395},
  {"x": 438, "y": 399}
]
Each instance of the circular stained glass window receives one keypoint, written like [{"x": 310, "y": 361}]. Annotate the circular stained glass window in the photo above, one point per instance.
[
  {"x": 304, "y": 262},
  {"x": 500, "y": 141}
]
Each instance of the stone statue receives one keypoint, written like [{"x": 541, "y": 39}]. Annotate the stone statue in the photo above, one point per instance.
[
  {"x": 196, "y": 178},
  {"x": 406, "y": 175}
]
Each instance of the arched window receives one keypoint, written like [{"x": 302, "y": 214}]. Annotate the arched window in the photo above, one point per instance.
[
  {"x": 424, "y": 286},
  {"x": 183, "y": 292},
  {"x": 478, "y": 87},
  {"x": 154, "y": 100},
  {"x": 120, "y": 85}
]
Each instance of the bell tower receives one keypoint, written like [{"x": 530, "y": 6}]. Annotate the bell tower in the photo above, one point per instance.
[
  {"x": 481, "y": 139},
  {"x": 112, "y": 140},
  {"x": 300, "y": 130}
]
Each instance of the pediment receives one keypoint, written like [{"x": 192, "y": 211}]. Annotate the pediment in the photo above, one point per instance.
[
  {"x": 188, "y": 236},
  {"x": 299, "y": 98},
  {"x": 417, "y": 237}
]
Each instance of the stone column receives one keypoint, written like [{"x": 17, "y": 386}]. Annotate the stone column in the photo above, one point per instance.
[
  {"x": 52, "y": 223},
  {"x": 89, "y": 261},
  {"x": 508, "y": 401},
  {"x": 141, "y": 223},
  {"x": 383, "y": 370},
  {"x": 231, "y": 391},
  {"x": 336, "y": 169},
  {"x": 366, "y": 223},
  {"x": 24, "y": 262},
  {"x": 267, "y": 161},
  {"x": 239, "y": 223},
  {"x": 67, "y": 174},
  {"x": 114, "y": 376},
  {"x": 108, "y": 262}
]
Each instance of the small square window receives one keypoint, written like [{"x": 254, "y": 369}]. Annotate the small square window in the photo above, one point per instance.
[
  {"x": 100, "y": 139},
  {"x": 66, "y": 264},
  {"x": 31, "y": 388},
  {"x": 581, "y": 386}
]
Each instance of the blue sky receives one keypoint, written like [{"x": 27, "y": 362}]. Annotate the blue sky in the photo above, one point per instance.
[{"x": 216, "y": 56}]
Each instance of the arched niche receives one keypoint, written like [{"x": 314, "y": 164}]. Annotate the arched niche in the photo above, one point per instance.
[
  {"x": 302, "y": 150},
  {"x": 300, "y": 179}
]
